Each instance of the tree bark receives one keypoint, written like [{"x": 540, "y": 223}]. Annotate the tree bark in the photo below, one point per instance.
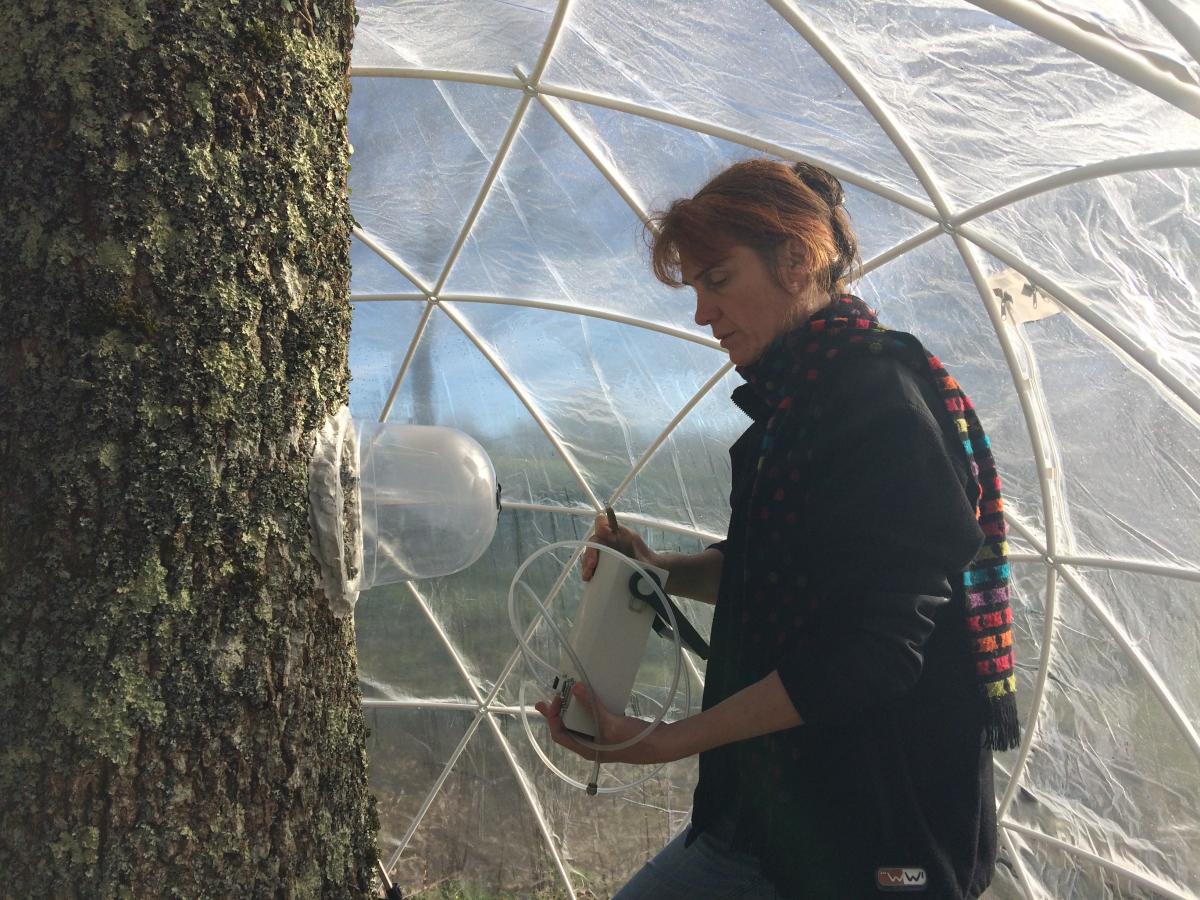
[{"x": 179, "y": 710}]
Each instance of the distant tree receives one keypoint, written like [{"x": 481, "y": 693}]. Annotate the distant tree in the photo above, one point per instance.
[
  {"x": 179, "y": 709},
  {"x": 425, "y": 410}
]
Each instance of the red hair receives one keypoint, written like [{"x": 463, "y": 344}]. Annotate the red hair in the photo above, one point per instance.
[{"x": 762, "y": 204}]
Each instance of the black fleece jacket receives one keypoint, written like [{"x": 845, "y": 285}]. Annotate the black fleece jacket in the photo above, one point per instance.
[{"x": 888, "y": 771}]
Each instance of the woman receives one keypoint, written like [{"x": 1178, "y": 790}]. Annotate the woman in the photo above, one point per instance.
[{"x": 860, "y": 670}]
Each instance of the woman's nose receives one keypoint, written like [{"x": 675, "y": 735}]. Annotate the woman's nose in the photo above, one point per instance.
[{"x": 705, "y": 311}]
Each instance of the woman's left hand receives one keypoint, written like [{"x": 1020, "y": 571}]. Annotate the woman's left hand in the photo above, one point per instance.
[
  {"x": 656, "y": 747},
  {"x": 759, "y": 708}
]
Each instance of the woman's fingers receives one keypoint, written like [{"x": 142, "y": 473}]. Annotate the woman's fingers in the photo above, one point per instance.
[
  {"x": 602, "y": 533},
  {"x": 558, "y": 731},
  {"x": 607, "y": 723},
  {"x": 610, "y": 729},
  {"x": 552, "y": 712},
  {"x": 579, "y": 694}
]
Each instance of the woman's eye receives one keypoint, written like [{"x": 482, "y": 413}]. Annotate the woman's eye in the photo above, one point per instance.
[{"x": 717, "y": 282}]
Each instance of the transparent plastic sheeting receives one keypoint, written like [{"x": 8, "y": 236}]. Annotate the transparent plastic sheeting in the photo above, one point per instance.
[{"x": 1025, "y": 180}]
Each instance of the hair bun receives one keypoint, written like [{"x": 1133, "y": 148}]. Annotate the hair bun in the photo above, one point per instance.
[{"x": 821, "y": 182}]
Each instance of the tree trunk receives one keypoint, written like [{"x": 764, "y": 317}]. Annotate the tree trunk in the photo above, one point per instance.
[{"x": 179, "y": 710}]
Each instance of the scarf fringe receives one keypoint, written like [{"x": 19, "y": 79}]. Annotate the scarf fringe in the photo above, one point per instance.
[{"x": 1003, "y": 728}]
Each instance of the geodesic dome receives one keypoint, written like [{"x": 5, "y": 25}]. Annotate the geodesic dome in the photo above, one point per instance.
[{"x": 1023, "y": 177}]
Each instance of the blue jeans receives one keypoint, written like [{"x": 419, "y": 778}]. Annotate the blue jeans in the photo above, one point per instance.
[{"x": 707, "y": 870}]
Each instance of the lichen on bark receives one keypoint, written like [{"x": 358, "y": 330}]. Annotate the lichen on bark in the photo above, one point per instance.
[{"x": 181, "y": 711}]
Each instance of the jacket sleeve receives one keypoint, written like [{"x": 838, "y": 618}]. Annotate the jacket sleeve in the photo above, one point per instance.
[{"x": 889, "y": 523}]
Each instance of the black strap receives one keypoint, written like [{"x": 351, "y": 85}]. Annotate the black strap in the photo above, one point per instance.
[{"x": 688, "y": 635}]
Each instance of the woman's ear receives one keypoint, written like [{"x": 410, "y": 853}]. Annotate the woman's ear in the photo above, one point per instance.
[{"x": 792, "y": 266}]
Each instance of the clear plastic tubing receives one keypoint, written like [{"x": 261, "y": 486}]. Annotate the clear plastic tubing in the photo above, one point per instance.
[{"x": 530, "y": 656}]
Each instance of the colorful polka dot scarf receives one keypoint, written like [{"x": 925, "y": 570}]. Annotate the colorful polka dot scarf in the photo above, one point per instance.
[{"x": 848, "y": 327}]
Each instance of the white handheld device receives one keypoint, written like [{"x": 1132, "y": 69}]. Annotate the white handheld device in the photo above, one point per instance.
[{"x": 609, "y": 638}]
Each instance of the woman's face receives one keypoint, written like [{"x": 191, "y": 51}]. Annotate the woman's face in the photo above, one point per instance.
[{"x": 739, "y": 298}]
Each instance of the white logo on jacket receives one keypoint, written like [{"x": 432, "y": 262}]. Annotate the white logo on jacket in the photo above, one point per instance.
[{"x": 898, "y": 878}]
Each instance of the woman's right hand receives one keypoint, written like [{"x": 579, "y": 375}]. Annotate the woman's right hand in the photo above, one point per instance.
[{"x": 625, "y": 540}]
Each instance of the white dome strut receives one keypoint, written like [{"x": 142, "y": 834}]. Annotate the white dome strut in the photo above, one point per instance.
[{"x": 1098, "y": 49}]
